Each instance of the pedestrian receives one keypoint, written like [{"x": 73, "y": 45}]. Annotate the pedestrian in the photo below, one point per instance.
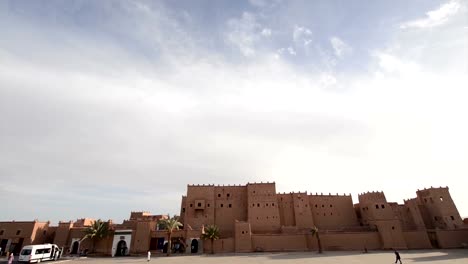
[
  {"x": 12, "y": 257},
  {"x": 397, "y": 255},
  {"x": 149, "y": 255}
]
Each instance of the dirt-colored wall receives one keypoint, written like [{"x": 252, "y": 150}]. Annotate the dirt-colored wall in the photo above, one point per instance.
[
  {"x": 279, "y": 242},
  {"x": 391, "y": 234},
  {"x": 403, "y": 213},
  {"x": 439, "y": 204},
  {"x": 452, "y": 238},
  {"x": 231, "y": 205},
  {"x": 25, "y": 230},
  {"x": 349, "y": 241},
  {"x": 333, "y": 211},
  {"x": 196, "y": 216},
  {"x": 302, "y": 210},
  {"x": 417, "y": 239},
  {"x": 39, "y": 233},
  {"x": 141, "y": 240},
  {"x": 263, "y": 213},
  {"x": 223, "y": 245},
  {"x": 243, "y": 237},
  {"x": 286, "y": 209},
  {"x": 412, "y": 207},
  {"x": 62, "y": 234}
]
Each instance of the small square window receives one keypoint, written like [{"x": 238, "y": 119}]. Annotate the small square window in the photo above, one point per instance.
[
  {"x": 258, "y": 205},
  {"x": 228, "y": 195},
  {"x": 222, "y": 205},
  {"x": 331, "y": 205},
  {"x": 1, "y": 232},
  {"x": 377, "y": 206},
  {"x": 383, "y": 206},
  {"x": 219, "y": 195},
  {"x": 230, "y": 205},
  {"x": 18, "y": 232},
  {"x": 199, "y": 204},
  {"x": 451, "y": 217},
  {"x": 208, "y": 205},
  {"x": 273, "y": 204},
  {"x": 191, "y": 205},
  {"x": 441, "y": 199}
]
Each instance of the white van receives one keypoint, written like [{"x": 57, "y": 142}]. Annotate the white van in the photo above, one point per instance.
[{"x": 39, "y": 253}]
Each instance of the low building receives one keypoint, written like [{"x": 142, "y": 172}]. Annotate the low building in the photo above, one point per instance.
[{"x": 16, "y": 234}]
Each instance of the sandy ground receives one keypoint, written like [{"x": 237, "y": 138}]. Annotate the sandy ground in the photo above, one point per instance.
[{"x": 373, "y": 257}]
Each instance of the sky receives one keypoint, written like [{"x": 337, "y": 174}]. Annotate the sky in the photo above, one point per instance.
[{"x": 108, "y": 107}]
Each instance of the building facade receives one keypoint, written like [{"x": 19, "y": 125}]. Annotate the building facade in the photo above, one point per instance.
[{"x": 254, "y": 217}]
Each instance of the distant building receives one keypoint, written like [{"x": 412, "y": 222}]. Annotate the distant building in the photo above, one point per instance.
[
  {"x": 254, "y": 217},
  {"x": 15, "y": 234}
]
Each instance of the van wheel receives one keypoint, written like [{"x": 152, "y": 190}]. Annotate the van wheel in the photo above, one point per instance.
[{"x": 39, "y": 261}]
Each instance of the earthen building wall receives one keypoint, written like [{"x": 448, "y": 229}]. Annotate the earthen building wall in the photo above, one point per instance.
[
  {"x": 333, "y": 211},
  {"x": 452, "y": 238},
  {"x": 231, "y": 205},
  {"x": 417, "y": 239},
  {"x": 263, "y": 213}
]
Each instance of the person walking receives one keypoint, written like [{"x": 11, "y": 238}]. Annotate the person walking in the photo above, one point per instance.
[
  {"x": 12, "y": 257},
  {"x": 397, "y": 257},
  {"x": 149, "y": 255}
]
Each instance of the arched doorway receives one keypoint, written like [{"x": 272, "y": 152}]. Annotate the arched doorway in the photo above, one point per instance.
[
  {"x": 121, "y": 248},
  {"x": 75, "y": 247},
  {"x": 194, "y": 246}
]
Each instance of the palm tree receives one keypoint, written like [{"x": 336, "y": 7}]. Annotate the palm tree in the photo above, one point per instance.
[
  {"x": 315, "y": 232},
  {"x": 211, "y": 233},
  {"x": 97, "y": 231},
  {"x": 170, "y": 225}
]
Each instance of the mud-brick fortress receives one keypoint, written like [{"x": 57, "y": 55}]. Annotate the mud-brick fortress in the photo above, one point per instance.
[{"x": 254, "y": 217}]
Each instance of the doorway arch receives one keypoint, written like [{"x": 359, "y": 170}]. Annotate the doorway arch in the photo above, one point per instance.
[
  {"x": 75, "y": 247},
  {"x": 194, "y": 246},
  {"x": 121, "y": 248}
]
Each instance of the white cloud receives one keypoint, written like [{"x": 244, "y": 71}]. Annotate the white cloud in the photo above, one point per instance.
[
  {"x": 435, "y": 17},
  {"x": 266, "y": 32},
  {"x": 302, "y": 35},
  {"x": 392, "y": 64},
  {"x": 105, "y": 117},
  {"x": 340, "y": 48},
  {"x": 243, "y": 33},
  {"x": 327, "y": 80}
]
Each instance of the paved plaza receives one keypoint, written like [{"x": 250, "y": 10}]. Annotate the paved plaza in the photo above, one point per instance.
[{"x": 456, "y": 256}]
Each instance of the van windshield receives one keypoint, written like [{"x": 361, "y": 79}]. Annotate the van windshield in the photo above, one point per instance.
[{"x": 26, "y": 252}]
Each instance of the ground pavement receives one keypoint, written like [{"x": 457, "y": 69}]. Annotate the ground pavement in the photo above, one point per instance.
[{"x": 455, "y": 256}]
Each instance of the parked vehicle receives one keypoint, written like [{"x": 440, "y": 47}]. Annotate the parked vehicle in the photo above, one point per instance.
[{"x": 39, "y": 253}]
